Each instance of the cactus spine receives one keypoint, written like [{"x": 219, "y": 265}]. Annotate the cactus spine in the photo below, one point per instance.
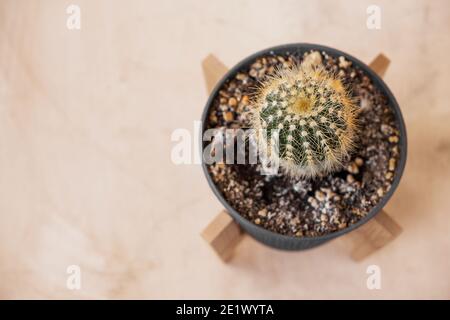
[{"x": 315, "y": 117}]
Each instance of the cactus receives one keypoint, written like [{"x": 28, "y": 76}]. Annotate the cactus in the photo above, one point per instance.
[{"x": 315, "y": 117}]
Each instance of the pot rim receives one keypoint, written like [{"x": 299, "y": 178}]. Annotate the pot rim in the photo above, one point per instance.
[{"x": 295, "y": 48}]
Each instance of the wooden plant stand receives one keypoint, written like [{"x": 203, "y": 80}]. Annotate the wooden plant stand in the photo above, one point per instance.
[{"x": 223, "y": 234}]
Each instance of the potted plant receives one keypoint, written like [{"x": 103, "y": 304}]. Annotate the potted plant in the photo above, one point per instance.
[{"x": 339, "y": 147}]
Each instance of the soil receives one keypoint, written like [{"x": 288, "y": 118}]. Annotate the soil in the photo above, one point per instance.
[{"x": 309, "y": 207}]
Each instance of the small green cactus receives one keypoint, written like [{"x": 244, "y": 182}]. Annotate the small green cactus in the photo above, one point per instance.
[{"x": 315, "y": 117}]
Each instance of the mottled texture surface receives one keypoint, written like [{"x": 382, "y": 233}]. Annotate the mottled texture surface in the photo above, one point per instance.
[{"x": 86, "y": 177}]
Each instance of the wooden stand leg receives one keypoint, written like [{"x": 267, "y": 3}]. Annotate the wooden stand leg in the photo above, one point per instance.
[
  {"x": 380, "y": 64},
  {"x": 213, "y": 71},
  {"x": 373, "y": 235},
  {"x": 223, "y": 234}
]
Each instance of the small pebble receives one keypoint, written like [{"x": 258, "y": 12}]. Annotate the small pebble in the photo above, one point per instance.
[
  {"x": 223, "y": 107},
  {"x": 359, "y": 161},
  {"x": 392, "y": 164},
  {"x": 241, "y": 76},
  {"x": 213, "y": 118},
  {"x": 342, "y": 225},
  {"x": 328, "y": 192},
  {"x": 313, "y": 59},
  {"x": 313, "y": 202},
  {"x": 344, "y": 64},
  {"x": 245, "y": 100},
  {"x": 223, "y": 93},
  {"x": 353, "y": 168},
  {"x": 365, "y": 104},
  {"x": 350, "y": 178},
  {"x": 393, "y": 139},
  {"x": 257, "y": 220},
  {"x": 261, "y": 72},
  {"x": 262, "y": 212},
  {"x": 257, "y": 65},
  {"x": 232, "y": 102},
  {"x": 395, "y": 150},
  {"x": 386, "y": 129},
  {"x": 320, "y": 196},
  {"x": 389, "y": 175},
  {"x": 380, "y": 192},
  {"x": 228, "y": 116}
]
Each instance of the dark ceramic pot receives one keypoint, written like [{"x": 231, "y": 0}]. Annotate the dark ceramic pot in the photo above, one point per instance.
[{"x": 284, "y": 242}]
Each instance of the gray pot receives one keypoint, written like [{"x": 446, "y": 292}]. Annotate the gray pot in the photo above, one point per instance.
[{"x": 284, "y": 242}]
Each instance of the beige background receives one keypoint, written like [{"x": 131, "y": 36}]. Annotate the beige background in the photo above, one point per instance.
[{"x": 85, "y": 170}]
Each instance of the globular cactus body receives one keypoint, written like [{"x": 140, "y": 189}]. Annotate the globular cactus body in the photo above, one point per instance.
[{"x": 314, "y": 115}]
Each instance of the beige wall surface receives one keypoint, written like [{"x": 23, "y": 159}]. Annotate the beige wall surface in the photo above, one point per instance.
[{"x": 86, "y": 176}]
